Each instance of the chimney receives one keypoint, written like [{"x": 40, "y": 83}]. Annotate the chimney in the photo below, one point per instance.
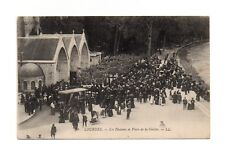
[{"x": 37, "y": 25}]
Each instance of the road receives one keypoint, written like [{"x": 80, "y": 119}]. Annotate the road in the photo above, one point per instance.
[
  {"x": 196, "y": 60},
  {"x": 180, "y": 123},
  {"x": 144, "y": 122},
  {"x": 199, "y": 56},
  {"x": 41, "y": 118}
]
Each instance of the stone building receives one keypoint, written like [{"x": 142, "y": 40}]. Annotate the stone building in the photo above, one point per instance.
[
  {"x": 48, "y": 58},
  {"x": 31, "y": 76},
  {"x": 95, "y": 58}
]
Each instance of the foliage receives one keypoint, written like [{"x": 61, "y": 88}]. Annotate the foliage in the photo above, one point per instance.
[
  {"x": 109, "y": 66},
  {"x": 116, "y": 35}
]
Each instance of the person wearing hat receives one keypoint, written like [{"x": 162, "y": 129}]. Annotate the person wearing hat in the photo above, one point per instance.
[
  {"x": 53, "y": 131},
  {"x": 174, "y": 97},
  {"x": 128, "y": 110},
  {"x": 151, "y": 100},
  {"x": 75, "y": 121},
  {"x": 52, "y": 105},
  {"x": 189, "y": 105},
  {"x": 185, "y": 103},
  {"x": 163, "y": 100},
  {"x": 84, "y": 120},
  {"x": 192, "y": 103},
  {"x": 179, "y": 97}
]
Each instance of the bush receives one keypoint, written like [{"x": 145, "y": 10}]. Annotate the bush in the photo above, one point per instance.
[{"x": 112, "y": 65}]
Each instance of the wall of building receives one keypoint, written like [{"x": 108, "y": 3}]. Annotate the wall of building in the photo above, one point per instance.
[
  {"x": 28, "y": 80},
  {"x": 49, "y": 72},
  {"x": 95, "y": 60},
  {"x": 51, "y": 76}
]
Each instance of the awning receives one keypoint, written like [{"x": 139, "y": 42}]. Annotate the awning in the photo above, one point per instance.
[
  {"x": 87, "y": 86},
  {"x": 72, "y": 91}
]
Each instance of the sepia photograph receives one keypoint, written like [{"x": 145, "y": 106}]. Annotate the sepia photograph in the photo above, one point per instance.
[{"x": 113, "y": 77}]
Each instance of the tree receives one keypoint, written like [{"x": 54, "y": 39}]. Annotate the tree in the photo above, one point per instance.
[
  {"x": 149, "y": 25},
  {"x": 131, "y": 34},
  {"x": 119, "y": 24}
]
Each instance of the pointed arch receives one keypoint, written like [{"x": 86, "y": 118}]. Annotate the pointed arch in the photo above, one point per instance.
[
  {"x": 85, "y": 57},
  {"x": 74, "y": 59},
  {"x": 62, "y": 69}
]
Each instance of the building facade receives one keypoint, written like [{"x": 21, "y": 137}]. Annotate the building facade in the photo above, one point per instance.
[
  {"x": 48, "y": 58},
  {"x": 95, "y": 58}
]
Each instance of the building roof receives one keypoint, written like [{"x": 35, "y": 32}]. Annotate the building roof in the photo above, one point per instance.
[
  {"x": 66, "y": 41},
  {"x": 78, "y": 38},
  {"x": 30, "y": 70},
  {"x": 43, "y": 47},
  {"x": 94, "y": 53},
  {"x": 37, "y": 48}
]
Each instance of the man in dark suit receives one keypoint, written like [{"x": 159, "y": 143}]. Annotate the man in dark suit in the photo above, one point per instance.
[
  {"x": 192, "y": 103},
  {"x": 75, "y": 121},
  {"x": 128, "y": 109},
  {"x": 184, "y": 103},
  {"x": 84, "y": 120},
  {"x": 53, "y": 131}
]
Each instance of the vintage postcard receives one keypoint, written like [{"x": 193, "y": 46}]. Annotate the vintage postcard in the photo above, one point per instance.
[{"x": 105, "y": 77}]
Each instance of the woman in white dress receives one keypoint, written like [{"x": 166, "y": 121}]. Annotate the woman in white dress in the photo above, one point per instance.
[
  {"x": 160, "y": 99},
  {"x": 151, "y": 100}
]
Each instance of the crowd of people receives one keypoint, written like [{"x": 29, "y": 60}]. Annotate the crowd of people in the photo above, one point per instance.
[
  {"x": 148, "y": 80},
  {"x": 44, "y": 95}
]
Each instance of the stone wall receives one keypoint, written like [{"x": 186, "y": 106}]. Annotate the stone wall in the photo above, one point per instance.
[
  {"x": 49, "y": 72},
  {"x": 95, "y": 60},
  {"x": 29, "y": 80}
]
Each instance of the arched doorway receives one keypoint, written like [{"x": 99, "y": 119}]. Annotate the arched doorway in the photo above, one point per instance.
[
  {"x": 74, "y": 65},
  {"x": 33, "y": 85},
  {"x": 24, "y": 85},
  {"x": 39, "y": 83},
  {"x": 84, "y": 57},
  {"x": 62, "y": 66}
]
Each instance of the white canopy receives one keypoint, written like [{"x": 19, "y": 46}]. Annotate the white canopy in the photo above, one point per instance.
[{"x": 72, "y": 91}]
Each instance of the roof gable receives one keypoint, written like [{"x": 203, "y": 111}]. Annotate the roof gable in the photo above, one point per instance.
[
  {"x": 78, "y": 38},
  {"x": 66, "y": 41}
]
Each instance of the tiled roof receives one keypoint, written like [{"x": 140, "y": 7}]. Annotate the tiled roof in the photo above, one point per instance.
[{"x": 37, "y": 48}]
